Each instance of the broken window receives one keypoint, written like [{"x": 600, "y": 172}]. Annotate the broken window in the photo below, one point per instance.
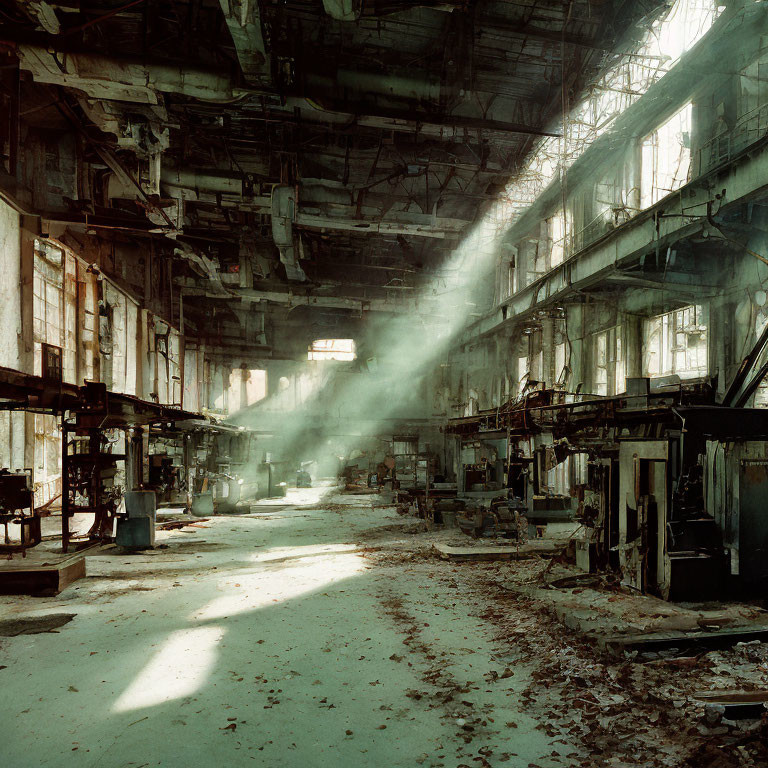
[
  {"x": 558, "y": 234},
  {"x": 522, "y": 374},
  {"x": 218, "y": 387},
  {"x": 405, "y": 446},
  {"x": 65, "y": 317},
  {"x": 580, "y": 463},
  {"x": 734, "y": 126},
  {"x": 234, "y": 396},
  {"x": 616, "y": 200},
  {"x": 64, "y": 297},
  {"x": 55, "y": 307},
  {"x": 332, "y": 349},
  {"x": 47, "y": 477},
  {"x": 676, "y": 343},
  {"x": 560, "y": 364},
  {"x": 89, "y": 322},
  {"x": 120, "y": 345},
  {"x": 559, "y": 478},
  {"x": 666, "y": 158},
  {"x": 49, "y": 328},
  {"x": 531, "y": 263},
  {"x": 609, "y": 367},
  {"x": 169, "y": 363},
  {"x": 506, "y": 273},
  {"x": 174, "y": 367},
  {"x": 255, "y": 386}
]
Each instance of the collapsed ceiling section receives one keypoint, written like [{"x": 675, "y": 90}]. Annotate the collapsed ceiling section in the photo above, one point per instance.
[{"x": 326, "y": 152}]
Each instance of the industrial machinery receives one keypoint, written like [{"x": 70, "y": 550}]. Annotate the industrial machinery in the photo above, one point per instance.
[
  {"x": 17, "y": 507},
  {"x": 505, "y": 518},
  {"x": 89, "y": 468}
]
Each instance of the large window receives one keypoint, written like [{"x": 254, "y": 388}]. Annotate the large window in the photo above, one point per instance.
[
  {"x": 610, "y": 368},
  {"x": 246, "y": 387},
  {"x": 558, "y": 226},
  {"x": 122, "y": 318},
  {"x": 55, "y": 307},
  {"x": 65, "y": 316},
  {"x": 505, "y": 279},
  {"x": 332, "y": 349},
  {"x": 523, "y": 374},
  {"x": 255, "y": 386},
  {"x": 676, "y": 343},
  {"x": 666, "y": 158},
  {"x": 560, "y": 364}
]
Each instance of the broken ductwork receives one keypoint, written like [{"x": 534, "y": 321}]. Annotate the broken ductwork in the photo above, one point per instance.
[
  {"x": 343, "y": 10},
  {"x": 212, "y": 186},
  {"x": 283, "y": 216},
  {"x": 256, "y": 258},
  {"x": 205, "y": 267},
  {"x": 243, "y": 19},
  {"x": 44, "y": 15},
  {"x": 102, "y": 77}
]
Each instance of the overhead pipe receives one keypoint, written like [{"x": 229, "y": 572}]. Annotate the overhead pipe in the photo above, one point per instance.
[
  {"x": 128, "y": 80},
  {"x": 283, "y": 216},
  {"x": 105, "y": 77},
  {"x": 344, "y": 10}
]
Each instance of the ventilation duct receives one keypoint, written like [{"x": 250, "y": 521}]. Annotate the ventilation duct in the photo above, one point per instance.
[
  {"x": 283, "y": 216},
  {"x": 243, "y": 19},
  {"x": 102, "y": 77},
  {"x": 343, "y": 10}
]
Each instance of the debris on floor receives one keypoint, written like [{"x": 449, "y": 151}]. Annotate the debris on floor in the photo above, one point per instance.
[{"x": 530, "y": 549}]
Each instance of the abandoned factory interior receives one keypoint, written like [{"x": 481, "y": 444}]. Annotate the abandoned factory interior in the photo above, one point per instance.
[{"x": 384, "y": 383}]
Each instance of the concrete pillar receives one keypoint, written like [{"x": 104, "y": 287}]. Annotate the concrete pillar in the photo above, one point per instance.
[
  {"x": 547, "y": 372},
  {"x": 633, "y": 345}
]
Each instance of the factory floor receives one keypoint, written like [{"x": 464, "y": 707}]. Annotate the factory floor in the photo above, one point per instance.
[
  {"x": 262, "y": 640},
  {"x": 317, "y": 630}
]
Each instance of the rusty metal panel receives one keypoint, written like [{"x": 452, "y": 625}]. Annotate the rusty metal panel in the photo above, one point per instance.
[{"x": 753, "y": 521}]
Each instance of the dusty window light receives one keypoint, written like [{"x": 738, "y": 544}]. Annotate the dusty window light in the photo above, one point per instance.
[
  {"x": 559, "y": 478},
  {"x": 234, "y": 397},
  {"x": 676, "y": 343},
  {"x": 255, "y": 386},
  {"x": 54, "y": 300},
  {"x": 505, "y": 279},
  {"x": 666, "y": 158},
  {"x": 558, "y": 234},
  {"x": 580, "y": 468},
  {"x": 405, "y": 446},
  {"x": 332, "y": 349},
  {"x": 522, "y": 374},
  {"x": 57, "y": 303},
  {"x": 560, "y": 363},
  {"x": 47, "y": 452},
  {"x": 124, "y": 313},
  {"x": 665, "y": 39},
  {"x": 610, "y": 367},
  {"x": 219, "y": 390},
  {"x": 174, "y": 367},
  {"x": 730, "y": 133}
]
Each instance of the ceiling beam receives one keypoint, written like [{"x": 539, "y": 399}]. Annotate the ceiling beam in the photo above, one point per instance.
[{"x": 293, "y": 300}]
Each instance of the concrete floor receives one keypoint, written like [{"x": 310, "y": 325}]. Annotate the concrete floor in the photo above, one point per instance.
[{"x": 273, "y": 640}]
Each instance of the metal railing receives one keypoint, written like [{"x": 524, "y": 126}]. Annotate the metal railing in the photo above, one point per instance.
[{"x": 748, "y": 129}]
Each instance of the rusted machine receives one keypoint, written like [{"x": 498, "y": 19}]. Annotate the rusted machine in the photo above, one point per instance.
[{"x": 17, "y": 507}]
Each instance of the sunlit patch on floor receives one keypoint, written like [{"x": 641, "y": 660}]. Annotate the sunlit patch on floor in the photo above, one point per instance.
[
  {"x": 321, "y": 566},
  {"x": 178, "y": 669}
]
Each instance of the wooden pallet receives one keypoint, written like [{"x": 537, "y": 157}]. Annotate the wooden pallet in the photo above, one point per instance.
[
  {"x": 40, "y": 579},
  {"x": 530, "y": 549},
  {"x": 660, "y": 641}
]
